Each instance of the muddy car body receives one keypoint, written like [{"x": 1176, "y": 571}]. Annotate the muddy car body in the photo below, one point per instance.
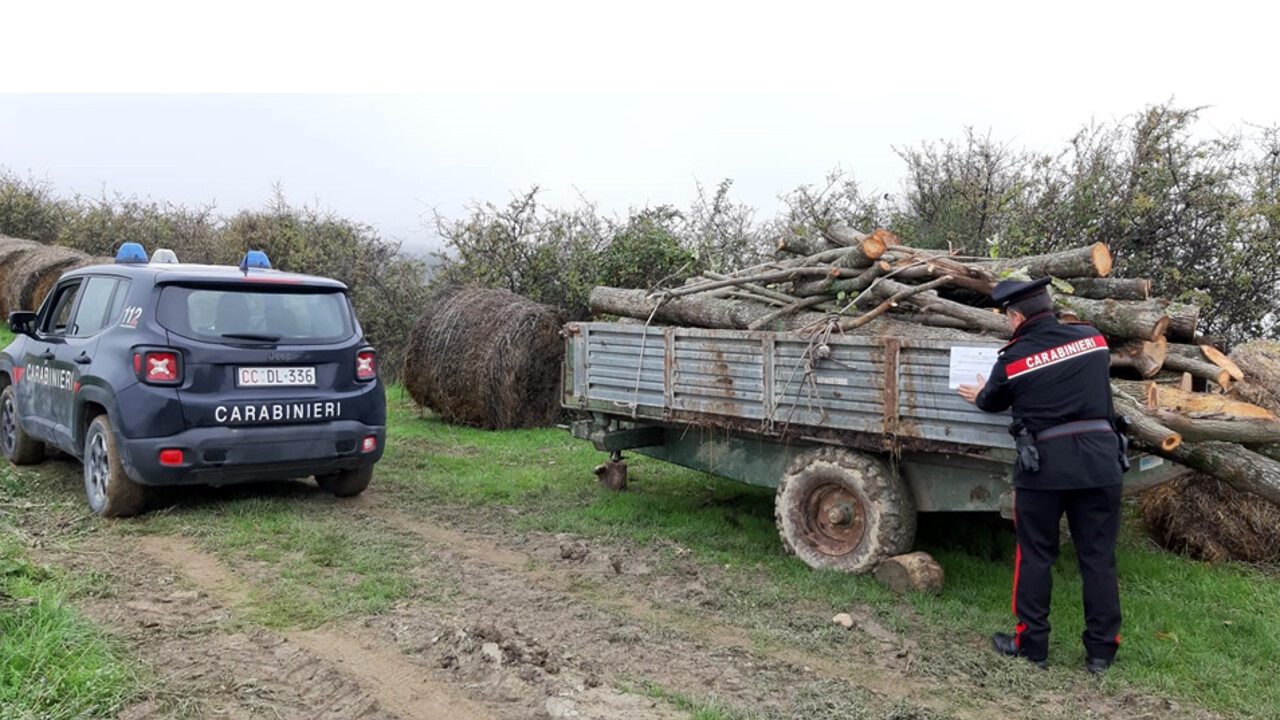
[{"x": 161, "y": 373}]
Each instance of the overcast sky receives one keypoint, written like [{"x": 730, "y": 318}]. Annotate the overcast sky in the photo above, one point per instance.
[{"x": 628, "y": 115}]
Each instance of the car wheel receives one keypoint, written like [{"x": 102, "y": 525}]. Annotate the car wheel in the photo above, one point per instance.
[
  {"x": 109, "y": 489},
  {"x": 346, "y": 483},
  {"x": 18, "y": 446}
]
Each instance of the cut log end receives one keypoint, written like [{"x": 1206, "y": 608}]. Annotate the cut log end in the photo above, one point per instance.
[
  {"x": 1217, "y": 357},
  {"x": 874, "y": 245},
  {"x": 1171, "y": 442},
  {"x": 1102, "y": 260},
  {"x": 913, "y": 572}
]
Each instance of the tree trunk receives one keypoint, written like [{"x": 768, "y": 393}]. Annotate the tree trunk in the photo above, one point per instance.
[
  {"x": 1146, "y": 357},
  {"x": 1170, "y": 398},
  {"x": 1091, "y": 261},
  {"x": 977, "y": 319},
  {"x": 802, "y": 245},
  {"x": 1111, "y": 288},
  {"x": 1183, "y": 319},
  {"x": 1142, "y": 427},
  {"x": 694, "y": 311},
  {"x": 1128, "y": 319},
  {"x": 1190, "y": 359},
  {"x": 1238, "y": 467},
  {"x": 1217, "y": 357},
  {"x": 711, "y": 312},
  {"x": 1244, "y": 431},
  {"x": 834, "y": 286},
  {"x": 869, "y": 247}
]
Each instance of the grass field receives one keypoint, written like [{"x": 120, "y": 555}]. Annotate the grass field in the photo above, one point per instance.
[
  {"x": 53, "y": 663},
  {"x": 1205, "y": 635}
]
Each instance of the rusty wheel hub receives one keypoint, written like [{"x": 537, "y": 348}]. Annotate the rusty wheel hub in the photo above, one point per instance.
[{"x": 834, "y": 520}]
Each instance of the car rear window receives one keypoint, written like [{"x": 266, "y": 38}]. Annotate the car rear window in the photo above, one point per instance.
[{"x": 232, "y": 315}]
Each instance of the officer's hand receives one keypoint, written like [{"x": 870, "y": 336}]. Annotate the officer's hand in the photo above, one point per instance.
[{"x": 970, "y": 392}]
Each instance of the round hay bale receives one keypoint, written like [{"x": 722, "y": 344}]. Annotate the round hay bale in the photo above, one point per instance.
[
  {"x": 487, "y": 358},
  {"x": 11, "y": 251},
  {"x": 33, "y": 269},
  {"x": 45, "y": 284},
  {"x": 1207, "y": 519}
]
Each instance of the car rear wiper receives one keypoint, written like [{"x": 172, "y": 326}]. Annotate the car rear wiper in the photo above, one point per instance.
[{"x": 252, "y": 336}]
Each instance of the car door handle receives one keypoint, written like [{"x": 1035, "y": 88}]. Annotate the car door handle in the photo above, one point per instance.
[
  {"x": 83, "y": 359},
  {"x": 47, "y": 355}
]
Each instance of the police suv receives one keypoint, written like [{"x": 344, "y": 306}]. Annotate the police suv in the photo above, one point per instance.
[{"x": 160, "y": 373}]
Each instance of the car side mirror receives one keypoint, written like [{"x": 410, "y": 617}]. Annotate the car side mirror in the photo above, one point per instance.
[{"x": 22, "y": 322}]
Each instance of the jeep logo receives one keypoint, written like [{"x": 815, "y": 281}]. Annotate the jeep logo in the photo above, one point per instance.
[{"x": 276, "y": 356}]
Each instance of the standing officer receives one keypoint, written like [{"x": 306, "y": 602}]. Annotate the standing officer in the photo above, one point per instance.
[{"x": 1056, "y": 377}]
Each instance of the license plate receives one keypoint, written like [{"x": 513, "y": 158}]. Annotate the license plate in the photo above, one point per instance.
[{"x": 276, "y": 377}]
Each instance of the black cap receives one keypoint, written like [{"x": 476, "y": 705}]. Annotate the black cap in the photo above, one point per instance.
[{"x": 1010, "y": 291}]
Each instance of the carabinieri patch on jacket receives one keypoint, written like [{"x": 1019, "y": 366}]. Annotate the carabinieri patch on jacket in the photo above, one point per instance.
[{"x": 1053, "y": 356}]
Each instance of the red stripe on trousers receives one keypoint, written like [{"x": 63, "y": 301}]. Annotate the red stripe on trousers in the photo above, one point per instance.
[{"x": 1017, "y": 567}]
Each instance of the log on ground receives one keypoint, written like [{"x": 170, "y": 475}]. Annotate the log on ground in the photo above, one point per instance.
[{"x": 913, "y": 572}]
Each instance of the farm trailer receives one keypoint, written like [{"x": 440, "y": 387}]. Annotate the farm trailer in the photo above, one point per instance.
[{"x": 857, "y": 434}]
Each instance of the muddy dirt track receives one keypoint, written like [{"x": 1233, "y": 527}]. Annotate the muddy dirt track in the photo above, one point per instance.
[{"x": 522, "y": 626}]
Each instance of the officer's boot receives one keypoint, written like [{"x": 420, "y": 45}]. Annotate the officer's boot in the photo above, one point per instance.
[{"x": 1005, "y": 644}]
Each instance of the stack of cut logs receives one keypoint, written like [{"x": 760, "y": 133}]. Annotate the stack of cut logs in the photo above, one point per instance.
[{"x": 1173, "y": 385}]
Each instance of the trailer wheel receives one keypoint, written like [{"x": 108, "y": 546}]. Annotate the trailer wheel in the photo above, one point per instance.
[{"x": 838, "y": 509}]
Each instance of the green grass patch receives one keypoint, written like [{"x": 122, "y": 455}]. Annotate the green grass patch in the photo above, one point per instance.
[
  {"x": 53, "y": 662},
  {"x": 6, "y": 337},
  {"x": 1203, "y": 633},
  {"x": 304, "y": 564}
]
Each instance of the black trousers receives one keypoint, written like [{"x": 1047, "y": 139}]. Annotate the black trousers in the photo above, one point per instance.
[{"x": 1093, "y": 514}]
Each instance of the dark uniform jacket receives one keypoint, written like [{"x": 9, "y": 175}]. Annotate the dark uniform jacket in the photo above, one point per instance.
[{"x": 1053, "y": 373}]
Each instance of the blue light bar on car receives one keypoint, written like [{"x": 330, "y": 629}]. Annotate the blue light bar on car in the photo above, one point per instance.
[
  {"x": 255, "y": 259},
  {"x": 130, "y": 253}
]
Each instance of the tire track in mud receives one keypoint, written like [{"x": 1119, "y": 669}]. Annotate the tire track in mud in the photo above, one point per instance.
[
  {"x": 337, "y": 672},
  {"x": 758, "y": 673},
  {"x": 702, "y": 656}
]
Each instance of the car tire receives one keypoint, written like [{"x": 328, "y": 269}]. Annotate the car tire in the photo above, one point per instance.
[
  {"x": 108, "y": 488},
  {"x": 19, "y": 447},
  {"x": 347, "y": 483}
]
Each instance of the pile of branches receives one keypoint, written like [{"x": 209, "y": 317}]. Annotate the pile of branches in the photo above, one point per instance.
[
  {"x": 1170, "y": 381},
  {"x": 486, "y": 358}
]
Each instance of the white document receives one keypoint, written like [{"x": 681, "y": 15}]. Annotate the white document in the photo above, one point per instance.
[{"x": 967, "y": 363}]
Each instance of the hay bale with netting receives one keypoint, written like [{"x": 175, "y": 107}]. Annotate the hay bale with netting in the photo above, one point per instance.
[
  {"x": 45, "y": 284},
  {"x": 33, "y": 271},
  {"x": 487, "y": 358},
  {"x": 11, "y": 252},
  {"x": 1207, "y": 519},
  {"x": 1260, "y": 360},
  {"x": 1204, "y": 517}
]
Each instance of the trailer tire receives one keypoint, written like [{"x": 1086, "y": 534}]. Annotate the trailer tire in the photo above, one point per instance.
[{"x": 839, "y": 509}]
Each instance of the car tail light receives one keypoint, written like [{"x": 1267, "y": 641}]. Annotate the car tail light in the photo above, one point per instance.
[
  {"x": 366, "y": 365},
  {"x": 158, "y": 367},
  {"x": 369, "y": 444},
  {"x": 171, "y": 457}
]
